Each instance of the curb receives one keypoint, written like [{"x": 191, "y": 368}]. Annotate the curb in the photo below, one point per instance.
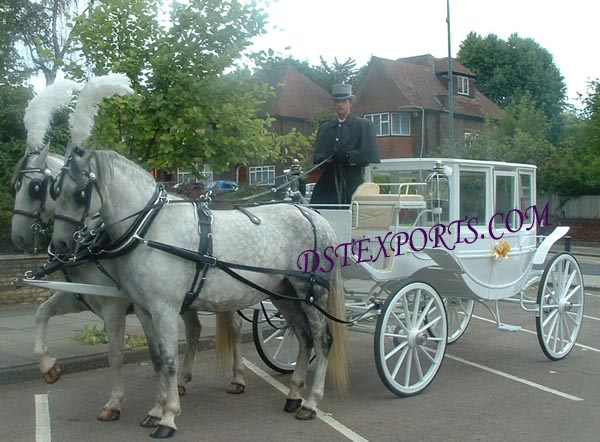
[{"x": 92, "y": 361}]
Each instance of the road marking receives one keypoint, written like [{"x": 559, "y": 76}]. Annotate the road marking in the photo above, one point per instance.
[
  {"x": 515, "y": 378},
  {"x": 328, "y": 419},
  {"x": 531, "y": 332},
  {"x": 42, "y": 419}
]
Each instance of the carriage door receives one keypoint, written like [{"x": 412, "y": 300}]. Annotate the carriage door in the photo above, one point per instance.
[{"x": 505, "y": 217}]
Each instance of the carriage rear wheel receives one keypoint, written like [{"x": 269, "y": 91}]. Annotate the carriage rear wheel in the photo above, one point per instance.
[
  {"x": 275, "y": 341},
  {"x": 459, "y": 312},
  {"x": 408, "y": 352},
  {"x": 560, "y": 300}
]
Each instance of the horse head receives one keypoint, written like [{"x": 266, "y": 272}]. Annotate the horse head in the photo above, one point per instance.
[
  {"x": 75, "y": 191},
  {"x": 30, "y": 187}
]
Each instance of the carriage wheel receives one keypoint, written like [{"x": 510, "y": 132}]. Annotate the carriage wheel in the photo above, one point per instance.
[
  {"x": 459, "y": 312},
  {"x": 560, "y": 299},
  {"x": 275, "y": 342},
  {"x": 408, "y": 353}
]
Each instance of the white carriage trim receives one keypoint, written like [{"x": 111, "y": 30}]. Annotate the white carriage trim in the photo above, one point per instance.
[{"x": 544, "y": 248}]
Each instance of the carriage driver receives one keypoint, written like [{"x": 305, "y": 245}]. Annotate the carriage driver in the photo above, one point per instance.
[{"x": 349, "y": 143}]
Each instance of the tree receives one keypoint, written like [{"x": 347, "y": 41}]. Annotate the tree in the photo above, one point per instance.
[
  {"x": 188, "y": 107},
  {"x": 13, "y": 100},
  {"x": 507, "y": 70},
  {"x": 45, "y": 28}
]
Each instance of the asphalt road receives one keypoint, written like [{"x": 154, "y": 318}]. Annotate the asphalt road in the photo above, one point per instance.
[{"x": 492, "y": 386}]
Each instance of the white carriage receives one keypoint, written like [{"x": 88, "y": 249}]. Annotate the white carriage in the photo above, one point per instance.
[{"x": 436, "y": 236}]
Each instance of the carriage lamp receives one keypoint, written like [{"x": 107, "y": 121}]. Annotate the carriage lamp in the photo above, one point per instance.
[{"x": 438, "y": 191}]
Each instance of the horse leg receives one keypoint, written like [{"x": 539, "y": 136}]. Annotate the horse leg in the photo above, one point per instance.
[
  {"x": 113, "y": 313},
  {"x": 166, "y": 326},
  {"x": 322, "y": 341},
  {"x": 59, "y": 303},
  {"x": 155, "y": 414},
  {"x": 237, "y": 384},
  {"x": 295, "y": 318},
  {"x": 193, "y": 329}
]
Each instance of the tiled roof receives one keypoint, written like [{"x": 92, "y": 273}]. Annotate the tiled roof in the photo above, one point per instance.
[
  {"x": 296, "y": 96},
  {"x": 419, "y": 82}
]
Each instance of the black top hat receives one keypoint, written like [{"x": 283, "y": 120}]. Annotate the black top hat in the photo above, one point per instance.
[{"x": 342, "y": 92}]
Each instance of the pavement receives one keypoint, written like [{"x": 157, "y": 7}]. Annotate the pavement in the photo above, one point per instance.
[{"x": 17, "y": 325}]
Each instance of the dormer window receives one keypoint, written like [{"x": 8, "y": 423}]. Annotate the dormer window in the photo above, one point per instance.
[{"x": 462, "y": 85}]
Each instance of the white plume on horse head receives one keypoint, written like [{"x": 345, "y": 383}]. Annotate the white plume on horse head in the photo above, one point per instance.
[
  {"x": 82, "y": 119},
  {"x": 40, "y": 109}
]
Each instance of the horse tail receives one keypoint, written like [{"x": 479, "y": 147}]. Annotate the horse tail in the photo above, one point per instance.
[
  {"x": 223, "y": 344},
  {"x": 338, "y": 355}
]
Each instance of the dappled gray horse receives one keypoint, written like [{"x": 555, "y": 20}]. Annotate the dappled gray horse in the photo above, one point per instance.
[
  {"x": 34, "y": 210},
  {"x": 158, "y": 281}
]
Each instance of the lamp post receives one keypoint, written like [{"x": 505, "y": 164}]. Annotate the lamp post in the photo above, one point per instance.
[{"x": 450, "y": 86}]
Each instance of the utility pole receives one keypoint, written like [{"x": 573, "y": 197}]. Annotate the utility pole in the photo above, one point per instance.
[{"x": 450, "y": 86}]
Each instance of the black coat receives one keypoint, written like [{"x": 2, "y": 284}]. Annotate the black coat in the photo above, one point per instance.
[{"x": 352, "y": 145}]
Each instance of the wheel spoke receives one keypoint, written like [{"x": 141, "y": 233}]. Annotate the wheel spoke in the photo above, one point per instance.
[
  {"x": 275, "y": 334},
  {"x": 418, "y": 363},
  {"x": 430, "y": 324},
  {"x": 417, "y": 302},
  {"x": 424, "y": 313},
  {"x": 408, "y": 369},
  {"x": 396, "y": 350},
  {"x": 424, "y": 351},
  {"x": 399, "y": 362},
  {"x": 551, "y": 328},
  {"x": 400, "y": 322}
]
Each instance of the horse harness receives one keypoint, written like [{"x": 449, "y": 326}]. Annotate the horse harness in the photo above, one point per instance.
[{"x": 91, "y": 248}]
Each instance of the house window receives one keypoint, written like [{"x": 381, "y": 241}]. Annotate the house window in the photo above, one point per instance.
[
  {"x": 462, "y": 85},
  {"x": 381, "y": 123},
  {"x": 401, "y": 123},
  {"x": 262, "y": 175},
  {"x": 470, "y": 137}
]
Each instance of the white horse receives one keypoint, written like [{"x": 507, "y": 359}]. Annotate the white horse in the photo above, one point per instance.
[
  {"x": 158, "y": 281},
  {"x": 34, "y": 209}
]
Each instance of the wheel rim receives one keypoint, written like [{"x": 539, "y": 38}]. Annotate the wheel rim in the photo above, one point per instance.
[
  {"x": 275, "y": 342},
  {"x": 560, "y": 299},
  {"x": 409, "y": 352}
]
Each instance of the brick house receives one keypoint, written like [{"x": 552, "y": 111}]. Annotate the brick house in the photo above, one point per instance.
[
  {"x": 407, "y": 100},
  {"x": 297, "y": 102}
]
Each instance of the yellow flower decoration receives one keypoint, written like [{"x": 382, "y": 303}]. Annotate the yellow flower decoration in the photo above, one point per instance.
[{"x": 501, "y": 250}]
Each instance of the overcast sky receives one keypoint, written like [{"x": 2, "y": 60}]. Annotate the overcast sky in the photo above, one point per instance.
[{"x": 569, "y": 30}]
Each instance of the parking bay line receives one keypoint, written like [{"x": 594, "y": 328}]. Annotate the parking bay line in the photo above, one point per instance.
[
  {"x": 43, "y": 432},
  {"x": 336, "y": 425},
  {"x": 515, "y": 378},
  {"x": 582, "y": 346}
]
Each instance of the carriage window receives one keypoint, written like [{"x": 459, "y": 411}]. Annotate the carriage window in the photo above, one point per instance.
[
  {"x": 472, "y": 196},
  {"x": 505, "y": 199},
  {"x": 525, "y": 189}
]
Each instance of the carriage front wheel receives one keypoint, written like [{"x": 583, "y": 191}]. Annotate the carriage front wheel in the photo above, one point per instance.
[
  {"x": 560, "y": 302},
  {"x": 410, "y": 339},
  {"x": 275, "y": 341}
]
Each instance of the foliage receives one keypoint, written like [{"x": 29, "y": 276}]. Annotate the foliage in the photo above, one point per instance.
[
  {"x": 187, "y": 109},
  {"x": 575, "y": 170},
  {"x": 508, "y": 70},
  {"x": 44, "y": 28},
  {"x": 93, "y": 336},
  {"x": 13, "y": 100}
]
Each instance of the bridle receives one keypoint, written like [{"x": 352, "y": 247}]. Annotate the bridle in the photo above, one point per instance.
[
  {"x": 37, "y": 190},
  {"x": 83, "y": 194}
]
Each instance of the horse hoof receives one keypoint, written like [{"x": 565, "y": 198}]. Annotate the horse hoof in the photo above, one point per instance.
[
  {"x": 181, "y": 390},
  {"x": 53, "y": 375},
  {"x": 163, "y": 432},
  {"x": 235, "y": 388},
  {"x": 292, "y": 405},
  {"x": 306, "y": 414},
  {"x": 150, "y": 422},
  {"x": 109, "y": 414}
]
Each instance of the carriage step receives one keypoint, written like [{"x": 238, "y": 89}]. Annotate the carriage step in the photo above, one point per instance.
[{"x": 509, "y": 327}]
